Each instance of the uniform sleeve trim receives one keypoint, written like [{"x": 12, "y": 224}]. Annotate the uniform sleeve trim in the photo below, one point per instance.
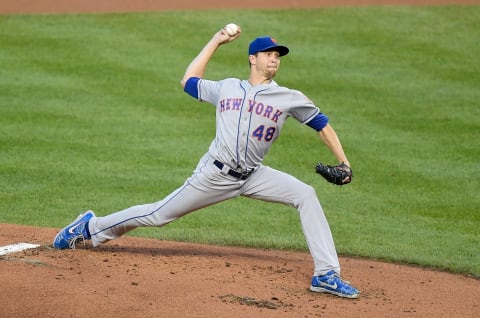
[
  {"x": 318, "y": 122},
  {"x": 191, "y": 87}
]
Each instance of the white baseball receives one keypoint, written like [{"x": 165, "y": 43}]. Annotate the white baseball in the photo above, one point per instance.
[{"x": 231, "y": 29}]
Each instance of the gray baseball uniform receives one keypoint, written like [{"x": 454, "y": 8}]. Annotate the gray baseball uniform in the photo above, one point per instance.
[{"x": 248, "y": 120}]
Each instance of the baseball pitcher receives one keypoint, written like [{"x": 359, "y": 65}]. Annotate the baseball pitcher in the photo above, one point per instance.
[{"x": 250, "y": 114}]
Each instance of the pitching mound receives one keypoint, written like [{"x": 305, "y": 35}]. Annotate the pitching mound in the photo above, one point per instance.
[{"x": 134, "y": 277}]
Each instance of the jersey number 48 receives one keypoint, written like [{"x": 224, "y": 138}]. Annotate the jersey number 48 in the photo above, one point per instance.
[{"x": 262, "y": 133}]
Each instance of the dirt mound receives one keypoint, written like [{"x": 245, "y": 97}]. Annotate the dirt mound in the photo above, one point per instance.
[{"x": 134, "y": 277}]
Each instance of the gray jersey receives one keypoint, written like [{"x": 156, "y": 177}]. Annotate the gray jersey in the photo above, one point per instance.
[{"x": 264, "y": 107}]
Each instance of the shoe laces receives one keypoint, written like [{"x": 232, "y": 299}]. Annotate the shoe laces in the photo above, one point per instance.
[
  {"x": 75, "y": 239},
  {"x": 334, "y": 277}
]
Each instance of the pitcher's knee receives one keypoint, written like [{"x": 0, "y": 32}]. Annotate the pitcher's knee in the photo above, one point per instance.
[{"x": 305, "y": 193}]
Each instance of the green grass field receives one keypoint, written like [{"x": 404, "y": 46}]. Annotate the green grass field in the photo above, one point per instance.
[{"x": 92, "y": 116}]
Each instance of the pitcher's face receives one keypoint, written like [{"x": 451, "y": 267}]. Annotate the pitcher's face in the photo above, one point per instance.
[{"x": 266, "y": 63}]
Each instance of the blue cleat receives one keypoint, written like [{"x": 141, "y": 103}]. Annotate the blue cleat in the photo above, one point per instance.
[
  {"x": 73, "y": 232},
  {"x": 333, "y": 284}
]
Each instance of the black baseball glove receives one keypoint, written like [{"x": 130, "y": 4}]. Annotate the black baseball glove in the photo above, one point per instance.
[{"x": 340, "y": 174}]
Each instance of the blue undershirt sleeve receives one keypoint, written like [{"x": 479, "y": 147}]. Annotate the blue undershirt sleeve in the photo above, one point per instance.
[
  {"x": 318, "y": 122},
  {"x": 191, "y": 87}
]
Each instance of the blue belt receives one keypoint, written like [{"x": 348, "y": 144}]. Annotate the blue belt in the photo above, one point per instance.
[{"x": 233, "y": 173}]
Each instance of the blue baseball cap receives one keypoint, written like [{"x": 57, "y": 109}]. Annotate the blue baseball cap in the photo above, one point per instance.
[{"x": 266, "y": 43}]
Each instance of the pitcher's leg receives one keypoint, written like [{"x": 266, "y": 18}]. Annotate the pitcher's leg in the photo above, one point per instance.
[
  {"x": 271, "y": 185},
  {"x": 205, "y": 187},
  {"x": 175, "y": 205},
  {"x": 317, "y": 232}
]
